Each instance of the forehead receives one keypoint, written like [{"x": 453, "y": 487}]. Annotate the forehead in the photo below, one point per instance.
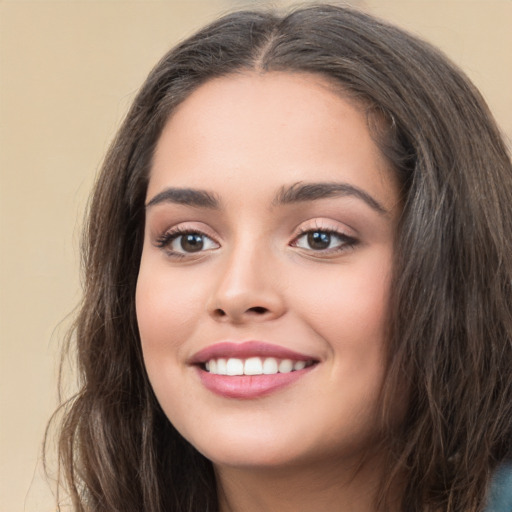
[{"x": 267, "y": 129}]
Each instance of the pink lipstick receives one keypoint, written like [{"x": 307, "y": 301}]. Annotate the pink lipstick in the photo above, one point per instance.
[
  {"x": 247, "y": 349},
  {"x": 251, "y": 369}
]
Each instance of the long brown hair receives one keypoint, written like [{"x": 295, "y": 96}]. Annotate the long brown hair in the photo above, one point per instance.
[{"x": 451, "y": 321}]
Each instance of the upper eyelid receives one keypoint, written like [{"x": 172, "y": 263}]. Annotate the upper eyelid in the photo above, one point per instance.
[
  {"x": 325, "y": 224},
  {"x": 335, "y": 232},
  {"x": 177, "y": 232},
  {"x": 161, "y": 238},
  {"x": 302, "y": 231},
  {"x": 187, "y": 227},
  {"x": 315, "y": 224}
]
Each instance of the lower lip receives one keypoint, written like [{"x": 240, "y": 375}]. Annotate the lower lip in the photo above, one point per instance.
[{"x": 249, "y": 386}]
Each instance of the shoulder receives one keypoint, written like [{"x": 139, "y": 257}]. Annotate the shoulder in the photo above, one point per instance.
[{"x": 500, "y": 493}]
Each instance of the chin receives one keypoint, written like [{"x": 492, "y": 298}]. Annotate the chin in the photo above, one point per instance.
[{"x": 264, "y": 450}]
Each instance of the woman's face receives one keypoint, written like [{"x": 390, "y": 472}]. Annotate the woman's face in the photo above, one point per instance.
[{"x": 263, "y": 289}]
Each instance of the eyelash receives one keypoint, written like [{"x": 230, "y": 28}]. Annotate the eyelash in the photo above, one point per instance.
[
  {"x": 347, "y": 242},
  {"x": 165, "y": 240}
]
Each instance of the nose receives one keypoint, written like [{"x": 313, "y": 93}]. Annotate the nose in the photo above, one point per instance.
[{"x": 247, "y": 289}]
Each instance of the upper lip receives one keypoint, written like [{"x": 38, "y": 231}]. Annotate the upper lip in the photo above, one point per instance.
[{"x": 246, "y": 349}]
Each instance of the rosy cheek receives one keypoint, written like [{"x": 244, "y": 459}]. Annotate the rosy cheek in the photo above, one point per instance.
[
  {"x": 348, "y": 307},
  {"x": 154, "y": 308},
  {"x": 167, "y": 310}
]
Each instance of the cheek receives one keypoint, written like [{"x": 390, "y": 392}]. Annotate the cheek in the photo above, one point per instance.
[
  {"x": 166, "y": 302},
  {"x": 167, "y": 308},
  {"x": 166, "y": 316},
  {"x": 349, "y": 311},
  {"x": 348, "y": 303}
]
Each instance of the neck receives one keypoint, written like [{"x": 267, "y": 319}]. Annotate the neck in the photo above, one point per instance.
[{"x": 340, "y": 487}]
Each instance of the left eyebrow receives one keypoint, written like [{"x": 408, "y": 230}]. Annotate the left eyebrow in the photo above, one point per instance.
[
  {"x": 299, "y": 192},
  {"x": 186, "y": 196}
]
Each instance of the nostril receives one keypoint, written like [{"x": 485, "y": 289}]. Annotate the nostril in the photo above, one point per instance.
[
  {"x": 258, "y": 310},
  {"x": 237, "y": 313}
]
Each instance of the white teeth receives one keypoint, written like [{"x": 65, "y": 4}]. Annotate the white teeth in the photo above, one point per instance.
[
  {"x": 235, "y": 366},
  {"x": 222, "y": 367},
  {"x": 285, "y": 366},
  {"x": 299, "y": 365},
  {"x": 253, "y": 366},
  {"x": 270, "y": 366}
]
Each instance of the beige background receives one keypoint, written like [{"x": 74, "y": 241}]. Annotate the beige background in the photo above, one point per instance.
[{"x": 68, "y": 71}]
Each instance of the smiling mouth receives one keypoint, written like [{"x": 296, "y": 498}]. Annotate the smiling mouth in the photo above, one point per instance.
[
  {"x": 250, "y": 369},
  {"x": 254, "y": 366}
]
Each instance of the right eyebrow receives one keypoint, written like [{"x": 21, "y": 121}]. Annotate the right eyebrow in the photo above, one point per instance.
[{"x": 187, "y": 196}]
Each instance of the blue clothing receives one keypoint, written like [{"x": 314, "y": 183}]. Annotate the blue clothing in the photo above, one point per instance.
[{"x": 500, "y": 493}]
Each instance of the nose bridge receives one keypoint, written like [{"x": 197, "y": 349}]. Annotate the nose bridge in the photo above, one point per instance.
[{"x": 246, "y": 287}]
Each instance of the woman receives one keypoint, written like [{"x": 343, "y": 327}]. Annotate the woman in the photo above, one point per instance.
[{"x": 297, "y": 280}]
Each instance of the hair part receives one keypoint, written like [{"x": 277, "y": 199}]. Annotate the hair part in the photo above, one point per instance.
[{"x": 450, "y": 340}]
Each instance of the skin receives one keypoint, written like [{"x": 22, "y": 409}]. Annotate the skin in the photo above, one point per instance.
[{"x": 243, "y": 138}]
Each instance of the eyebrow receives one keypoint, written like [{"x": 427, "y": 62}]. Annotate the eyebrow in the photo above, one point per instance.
[
  {"x": 186, "y": 196},
  {"x": 299, "y": 192},
  {"x": 296, "y": 193}
]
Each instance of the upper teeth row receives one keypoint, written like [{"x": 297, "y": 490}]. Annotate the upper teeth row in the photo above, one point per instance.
[{"x": 253, "y": 366}]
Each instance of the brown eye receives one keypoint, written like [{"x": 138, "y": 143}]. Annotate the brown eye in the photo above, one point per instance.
[
  {"x": 180, "y": 243},
  {"x": 191, "y": 242},
  {"x": 319, "y": 240}
]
